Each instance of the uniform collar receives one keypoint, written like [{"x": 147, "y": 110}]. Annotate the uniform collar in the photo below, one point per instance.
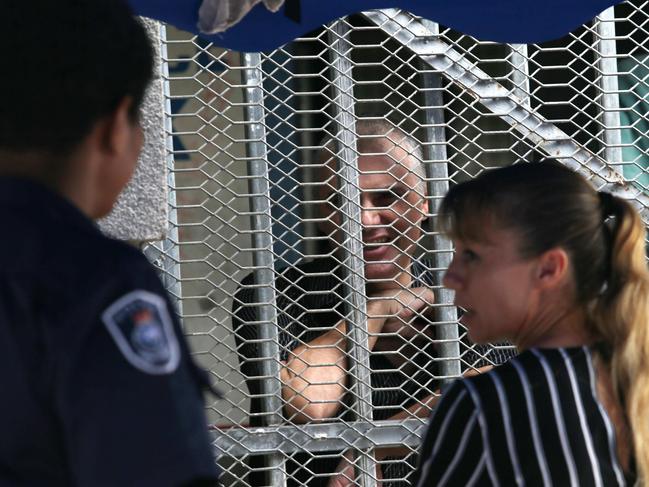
[{"x": 20, "y": 194}]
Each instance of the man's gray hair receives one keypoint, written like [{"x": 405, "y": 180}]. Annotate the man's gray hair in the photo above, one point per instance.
[{"x": 372, "y": 132}]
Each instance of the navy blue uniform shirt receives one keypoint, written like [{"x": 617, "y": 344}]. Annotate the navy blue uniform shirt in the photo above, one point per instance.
[{"x": 97, "y": 385}]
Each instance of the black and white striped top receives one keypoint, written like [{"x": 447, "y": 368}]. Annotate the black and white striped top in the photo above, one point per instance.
[{"x": 535, "y": 420}]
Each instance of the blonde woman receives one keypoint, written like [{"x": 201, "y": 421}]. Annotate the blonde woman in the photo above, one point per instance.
[{"x": 547, "y": 262}]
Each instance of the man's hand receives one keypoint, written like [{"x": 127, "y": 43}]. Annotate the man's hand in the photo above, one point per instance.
[
  {"x": 400, "y": 309},
  {"x": 343, "y": 476},
  {"x": 314, "y": 377}
]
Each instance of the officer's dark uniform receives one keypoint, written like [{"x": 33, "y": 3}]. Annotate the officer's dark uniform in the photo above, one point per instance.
[{"x": 96, "y": 384}]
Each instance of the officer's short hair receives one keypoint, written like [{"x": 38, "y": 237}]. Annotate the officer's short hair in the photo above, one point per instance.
[{"x": 65, "y": 65}]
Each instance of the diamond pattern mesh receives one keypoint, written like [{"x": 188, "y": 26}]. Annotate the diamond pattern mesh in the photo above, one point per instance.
[{"x": 281, "y": 193}]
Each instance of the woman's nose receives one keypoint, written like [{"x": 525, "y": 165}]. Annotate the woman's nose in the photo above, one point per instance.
[{"x": 452, "y": 277}]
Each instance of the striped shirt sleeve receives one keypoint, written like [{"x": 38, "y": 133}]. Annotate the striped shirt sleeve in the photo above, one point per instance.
[{"x": 452, "y": 453}]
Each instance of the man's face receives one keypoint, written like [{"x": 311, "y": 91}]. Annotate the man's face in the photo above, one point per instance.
[{"x": 392, "y": 207}]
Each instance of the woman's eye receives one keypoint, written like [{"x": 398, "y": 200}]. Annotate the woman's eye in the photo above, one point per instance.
[{"x": 469, "y": 255}]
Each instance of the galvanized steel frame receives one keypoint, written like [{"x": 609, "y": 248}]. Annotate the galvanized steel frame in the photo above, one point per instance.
[
  {"x": 413, "y": 33},
  {"x": 436, "y": 161},
  {"x": 606, "y": 61},
  {"x": 352, "y": 243},
  {"x": 422, "y": 38},
  {"x": 165, "y": 255},
  {"x": 289, "y": 439},
  {"x": 438, "y": 59},
  {"x": 262, "y": 236}
]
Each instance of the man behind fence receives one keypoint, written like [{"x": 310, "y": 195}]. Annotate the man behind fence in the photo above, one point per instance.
[
  {"x": 98, "y": 388},
  {"x": 311, "y": 310}
]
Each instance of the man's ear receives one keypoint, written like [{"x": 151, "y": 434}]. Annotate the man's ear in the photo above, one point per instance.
[
  {"x": 552, "y": 267},
  {"x": 424, "y": 210}
]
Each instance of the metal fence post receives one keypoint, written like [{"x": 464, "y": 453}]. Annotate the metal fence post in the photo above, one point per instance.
[
  {"x": 519, "y": 76},
  {"x": 262, "y": 236},
  {"x": 352, "y": 245},
  {"x": 165, "y": 254},
  {"x": 436, "y": 162},
  {"x": 606, "y": 65}
]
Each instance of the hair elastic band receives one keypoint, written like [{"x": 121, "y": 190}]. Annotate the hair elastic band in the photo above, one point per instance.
[{"x": 606, "y": 204}]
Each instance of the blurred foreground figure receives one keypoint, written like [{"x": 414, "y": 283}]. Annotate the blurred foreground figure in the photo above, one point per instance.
[
  {"x": 548, "y": 263},
  {"x": 98, "y": 388}
]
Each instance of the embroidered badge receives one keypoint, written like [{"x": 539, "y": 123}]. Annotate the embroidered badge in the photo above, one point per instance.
[{"x": 140, "y": 325}]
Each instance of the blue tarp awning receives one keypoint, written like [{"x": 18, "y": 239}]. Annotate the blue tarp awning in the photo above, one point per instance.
[{"x": 513, "y": 21}]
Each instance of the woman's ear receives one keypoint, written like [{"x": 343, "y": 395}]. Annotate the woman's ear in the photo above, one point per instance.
[{"x": 552, "y": 268}]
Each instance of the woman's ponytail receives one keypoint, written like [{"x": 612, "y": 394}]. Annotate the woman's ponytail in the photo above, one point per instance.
[{"x": 621, "y": 318}]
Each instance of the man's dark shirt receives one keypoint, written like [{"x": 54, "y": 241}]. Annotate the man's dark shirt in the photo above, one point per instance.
[
  {"x": 309, "y": 303},
  {"x": 77, "y": 407}
]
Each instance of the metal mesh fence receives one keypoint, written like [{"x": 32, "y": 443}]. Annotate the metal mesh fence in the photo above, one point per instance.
[{"x": 303, "y": 236}]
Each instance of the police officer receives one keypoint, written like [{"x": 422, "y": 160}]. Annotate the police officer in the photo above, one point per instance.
[{"x": 97, "y": 385}]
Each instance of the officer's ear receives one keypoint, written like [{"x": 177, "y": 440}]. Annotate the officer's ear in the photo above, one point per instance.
[
  {"x": 115, "y": 144},
  {"x": 119, "y": 130}
]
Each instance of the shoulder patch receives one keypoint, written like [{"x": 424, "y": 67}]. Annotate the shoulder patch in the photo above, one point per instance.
[{"x": 141, "y": 326}]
